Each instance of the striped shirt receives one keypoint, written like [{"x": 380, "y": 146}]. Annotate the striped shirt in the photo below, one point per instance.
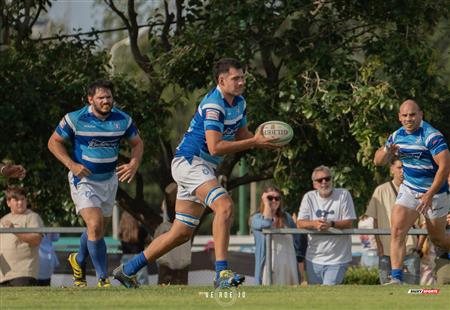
[
  {"x": 95, "y": 141},
  {"x": 416, "y": 151},
  {"x": 213, "y": 113}
]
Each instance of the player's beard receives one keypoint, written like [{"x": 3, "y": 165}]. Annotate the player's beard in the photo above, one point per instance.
[{"x": 101, "y": 112}]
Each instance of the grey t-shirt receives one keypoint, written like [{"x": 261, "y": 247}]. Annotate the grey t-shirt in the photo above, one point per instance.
[{"x": 328, "y": 249}]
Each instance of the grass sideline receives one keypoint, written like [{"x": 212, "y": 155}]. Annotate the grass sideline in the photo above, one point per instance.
[{"x": 251, "y": 297}]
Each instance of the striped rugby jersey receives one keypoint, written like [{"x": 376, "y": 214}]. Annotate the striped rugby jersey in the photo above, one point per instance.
[
  {"x": 213, "y": 113},
  {"x": 96, "y": 142},
  {"x": 416, "y": 151}
]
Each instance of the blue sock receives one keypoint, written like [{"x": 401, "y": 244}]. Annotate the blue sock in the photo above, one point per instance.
[
  {"x": 83, "y": 252},
  {"x": 135, "y": 264},
  {"x": 397, "y": 274},
  {"x": 220, "y": 265},
  {"x": 97, "y": 251}
]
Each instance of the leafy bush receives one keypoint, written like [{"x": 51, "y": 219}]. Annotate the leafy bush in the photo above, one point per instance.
[{"x": 362, "y": 275}]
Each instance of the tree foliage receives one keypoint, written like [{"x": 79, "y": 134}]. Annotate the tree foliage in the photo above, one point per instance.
[{"x": 335, "y": 70}]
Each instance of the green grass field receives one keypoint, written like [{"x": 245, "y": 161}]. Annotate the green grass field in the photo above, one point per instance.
[{"x": 194, "y": 297}]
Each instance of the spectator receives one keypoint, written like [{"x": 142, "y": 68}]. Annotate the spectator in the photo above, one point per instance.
[
  {"x": 380, "y": 209},
  {"x": 48, "y": 260},
  {"x": 133, "y": 238},
  {"x": 369, "y": 256},
  {"x": 287, "y": 250},
  {"x": 19, "y": 252},
  {"x": 325, "y": 207}
]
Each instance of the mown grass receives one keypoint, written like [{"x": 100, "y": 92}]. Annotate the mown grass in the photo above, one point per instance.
[{"x": 202, "y": 297}]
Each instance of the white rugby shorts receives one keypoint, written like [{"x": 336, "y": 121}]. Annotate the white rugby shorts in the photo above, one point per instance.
[
  {"x": 189, "y": 176},
  {"x": 439, "y": 207},
  {"x": 94, "y": 194}
]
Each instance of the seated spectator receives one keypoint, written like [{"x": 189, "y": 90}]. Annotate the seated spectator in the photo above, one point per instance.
[
  {"x": 325, "y": 207},
  {"x": 19, "y": 252},
  {"x": 48, "y": 260},
  {"x": 369, "y": 256},
  {"x": 287, "y": 250}
]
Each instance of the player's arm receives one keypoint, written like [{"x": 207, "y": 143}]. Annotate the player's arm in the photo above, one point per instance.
[
  {"x": 243, "y": 133},
  {"x": 12, "y": 171},
  {"x": 56, "y": 146},
  {"x": 217, "y": 146},
  {"x": 385, "y": 154},
  {"x": 126, "y": 172}
]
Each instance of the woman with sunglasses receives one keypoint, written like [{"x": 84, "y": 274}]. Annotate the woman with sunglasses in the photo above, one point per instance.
[{"x": 285, "y": 248}]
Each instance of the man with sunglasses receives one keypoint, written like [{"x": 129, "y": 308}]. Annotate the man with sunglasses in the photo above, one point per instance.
[
  {"x": 325, "y": 207},
  {"x": 426, "y": 165}
]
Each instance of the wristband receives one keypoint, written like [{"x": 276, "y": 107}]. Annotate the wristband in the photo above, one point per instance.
[{"x": 1, "y": 170}]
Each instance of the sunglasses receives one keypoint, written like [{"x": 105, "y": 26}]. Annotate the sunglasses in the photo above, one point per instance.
[
  {"x": 276, "y": 198},
  {"x": 320, "y": 180}
]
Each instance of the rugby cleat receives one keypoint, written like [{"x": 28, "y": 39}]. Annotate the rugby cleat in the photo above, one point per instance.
[
  {"x": 103, "y": 283},
  {"x": 79, "y": 275},
  {"x": 127, "y": 281},
  {"x": 394, "y": 281},
  {"x": 227, "y": 279}
]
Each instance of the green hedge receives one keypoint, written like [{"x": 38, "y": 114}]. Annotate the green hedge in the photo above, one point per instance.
[{"x": 362, "y": 275}]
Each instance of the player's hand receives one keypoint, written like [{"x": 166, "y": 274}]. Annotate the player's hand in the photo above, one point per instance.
[
  {"x": 425, "y": 203},
  {"x": 126, "y": 172},
  {"x": 79, "y": 170},
  {"x": 265, "y": 143},
  {"x": 14, "y": 171},
  {"x": 392, "y": 149}
]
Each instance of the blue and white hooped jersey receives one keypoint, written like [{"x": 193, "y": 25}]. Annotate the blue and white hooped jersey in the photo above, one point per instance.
[
  {"x": 96, "y": 142},
  {"x": 213, "y": 113},
  {"x": 416, "y": 151}
]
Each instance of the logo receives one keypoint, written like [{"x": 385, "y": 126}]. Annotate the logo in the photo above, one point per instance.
[
  {"x": 205, "y": 171},
  {"x": 324, "y": 213},
  {"x": 102, "y": 144},
  {"x": 225, "y": 297},
  {"x": 421, "y": 291},
  {"x": 212, "y": 115}
]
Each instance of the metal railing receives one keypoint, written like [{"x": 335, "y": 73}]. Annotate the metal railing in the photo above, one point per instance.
[{"x": 331, "y": 231}]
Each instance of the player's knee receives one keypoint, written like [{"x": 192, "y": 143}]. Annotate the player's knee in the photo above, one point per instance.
[
  {"x": 184, "y": 235},
  {"x": 225, "y": 210},
  {"x": 95, "y": 231}
]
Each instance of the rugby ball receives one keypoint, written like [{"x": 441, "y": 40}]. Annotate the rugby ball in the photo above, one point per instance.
[{"x": 277, "y": 129}]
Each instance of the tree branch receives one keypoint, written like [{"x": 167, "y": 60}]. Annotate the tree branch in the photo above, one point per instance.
[
  {"x": 248, "y": 178},
  {"x": 111, "y": 4}
]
